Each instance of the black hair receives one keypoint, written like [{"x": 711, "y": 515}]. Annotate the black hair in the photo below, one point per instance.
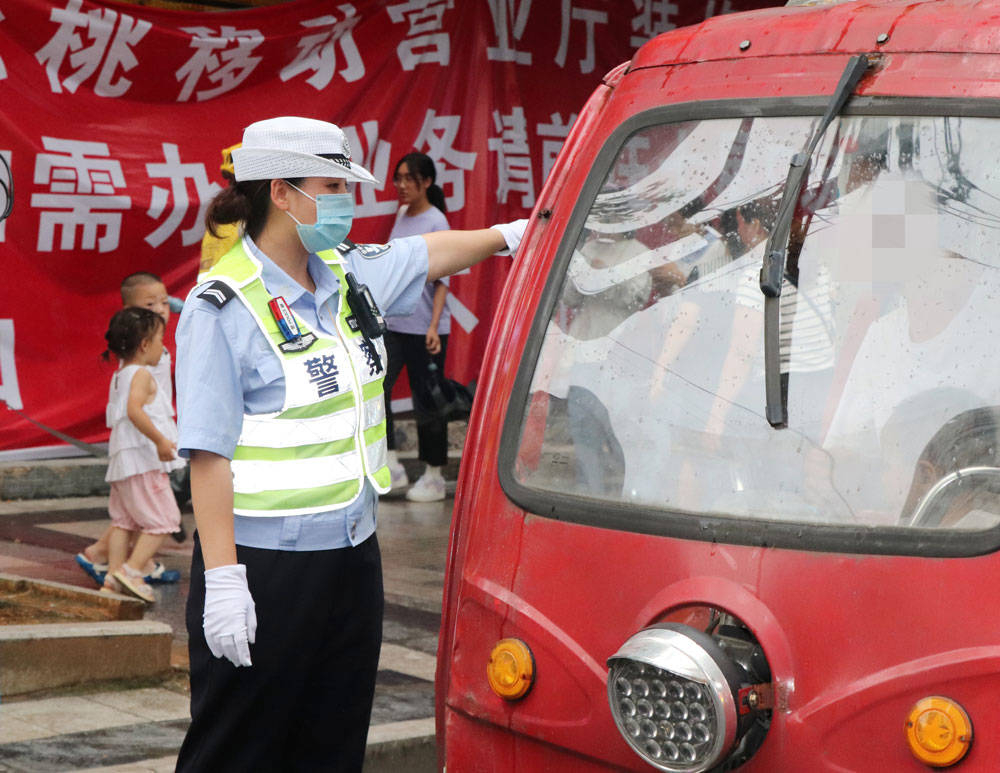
[
  {"x": 760, "y": 213},
  {"x": 128, "y": 328},
  {"x": 763, "y": 211},
  {"x": 137, "y": 279},
  {"x": 421, "y": 166},
  {"x": 246, "y": 202},
  {"x": 242, "y": 202}
]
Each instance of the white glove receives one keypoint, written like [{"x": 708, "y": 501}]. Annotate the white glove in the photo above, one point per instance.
[
  {"x": 230, "y": 616},
  {"x": 512, "y": 233}
]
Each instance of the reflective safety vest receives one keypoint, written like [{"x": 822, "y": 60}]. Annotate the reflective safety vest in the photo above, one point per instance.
[{"x": 316, "y": 452}]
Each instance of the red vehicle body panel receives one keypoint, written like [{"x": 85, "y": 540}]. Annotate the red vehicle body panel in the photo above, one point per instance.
[{"x": 852, "y": 640}]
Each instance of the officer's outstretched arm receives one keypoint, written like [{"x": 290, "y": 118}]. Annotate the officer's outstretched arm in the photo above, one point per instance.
[{"x": 451, "y": 251}]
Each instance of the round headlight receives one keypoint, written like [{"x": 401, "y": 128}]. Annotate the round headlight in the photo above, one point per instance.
[{"x": 673, "y": 694}]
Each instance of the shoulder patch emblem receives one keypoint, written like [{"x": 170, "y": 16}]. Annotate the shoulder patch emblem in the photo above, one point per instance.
[
  {"x": 371, "y": 251},
  {"x": 217, "y": 293}
]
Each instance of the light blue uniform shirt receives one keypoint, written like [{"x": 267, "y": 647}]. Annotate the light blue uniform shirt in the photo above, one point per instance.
[{"x": 226, "y": 367}]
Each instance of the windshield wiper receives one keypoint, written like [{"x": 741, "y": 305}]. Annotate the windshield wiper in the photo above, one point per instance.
[{"x": 776, "y": 251}]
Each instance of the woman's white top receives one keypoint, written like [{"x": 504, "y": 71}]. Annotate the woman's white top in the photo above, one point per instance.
[
  {"x": 131, "y": 452},
  {"x": 417, "y": 323}
]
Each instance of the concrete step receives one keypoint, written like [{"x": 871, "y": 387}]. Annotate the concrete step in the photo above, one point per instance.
[
  {"x": 53, "y": 478},
  {"x": 53, "y": 655},
  {"x": 64, "y": 635}
]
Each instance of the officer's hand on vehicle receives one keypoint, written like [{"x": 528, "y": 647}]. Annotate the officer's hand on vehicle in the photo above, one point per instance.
[
  {"x": 230, "y": 616},
  {"x": 512, "y": 233},
  {"x": 432, "y": 341}
]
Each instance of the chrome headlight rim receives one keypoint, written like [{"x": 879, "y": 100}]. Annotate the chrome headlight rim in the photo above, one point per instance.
[{"x": 693, "y": 655}]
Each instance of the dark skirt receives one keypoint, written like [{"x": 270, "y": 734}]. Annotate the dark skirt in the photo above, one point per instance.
[{"x": 306, "y": 702}]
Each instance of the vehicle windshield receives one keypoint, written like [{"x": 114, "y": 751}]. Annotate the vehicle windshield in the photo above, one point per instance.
[{"x": 648, "y": 388}]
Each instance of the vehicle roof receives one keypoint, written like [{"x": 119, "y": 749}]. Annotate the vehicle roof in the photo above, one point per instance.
[{"x": 952, "y": 26}]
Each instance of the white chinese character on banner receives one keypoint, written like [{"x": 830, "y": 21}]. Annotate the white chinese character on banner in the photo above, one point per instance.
[
  {"x": 178, "y": 173},
  {"x": 3, "y": 70},
  {"x": 82, "y": 179},
  {"x": 652, "y": 17},
  {"x": 509, "y": 21},
  {"x": 115, "y": 51},
  {"x": 724, "y": 7},
  {"x": 425, "y": 42},
  {"x": 551, "y": 148},
  {"x": 318, "y": 53},
  {"x": 223, "y": 57},
  {"x": 513, "y": 157},
  {"x": 10, "y": 392},
  {"x": 590, "y": 18},
  {"x": 438, "y": 135},
  {"x": 375, "y": 160}
]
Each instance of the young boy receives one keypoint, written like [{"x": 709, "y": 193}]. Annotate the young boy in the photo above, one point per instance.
[{"x": 146, "y": 291}]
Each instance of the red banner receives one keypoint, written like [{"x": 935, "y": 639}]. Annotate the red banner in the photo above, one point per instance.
[{"x": 115, "y": 115}]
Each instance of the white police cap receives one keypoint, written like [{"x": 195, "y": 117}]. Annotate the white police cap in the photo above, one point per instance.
[{"x": 290, "y": 146}]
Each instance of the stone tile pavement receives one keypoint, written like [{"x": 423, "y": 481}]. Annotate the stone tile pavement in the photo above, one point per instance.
[{"x": 138, "y": 727}]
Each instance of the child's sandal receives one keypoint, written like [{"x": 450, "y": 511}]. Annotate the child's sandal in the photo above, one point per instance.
[
  {"x": 132, "y": 581},
  {"x": 94, "y": 570},
  {"x": 111, "y": 585}
]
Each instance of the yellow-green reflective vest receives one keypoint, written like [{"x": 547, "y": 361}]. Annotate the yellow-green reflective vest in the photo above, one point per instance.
[{"x": 316, "y": 452}]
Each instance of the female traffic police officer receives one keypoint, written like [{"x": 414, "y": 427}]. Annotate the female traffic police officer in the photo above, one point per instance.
[{"x": 279, "y": 373}]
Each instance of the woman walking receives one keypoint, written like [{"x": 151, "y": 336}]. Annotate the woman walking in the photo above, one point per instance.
[{"x": 416, "y": 340}]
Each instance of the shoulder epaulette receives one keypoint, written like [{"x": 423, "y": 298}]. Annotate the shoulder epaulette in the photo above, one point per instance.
[
  {"x": 346, "y": 246},
  {"x": 370, "y": 251},
  {"x": 217, "y": 293}
]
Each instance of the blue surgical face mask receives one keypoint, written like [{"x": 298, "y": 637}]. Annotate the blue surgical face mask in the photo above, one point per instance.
[{"x": 334, "y": 215}]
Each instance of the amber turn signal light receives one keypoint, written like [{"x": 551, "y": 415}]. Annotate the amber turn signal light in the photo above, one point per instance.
[
  {"x": 511, "y": 670},
  {"x": 938, "y": 731}
]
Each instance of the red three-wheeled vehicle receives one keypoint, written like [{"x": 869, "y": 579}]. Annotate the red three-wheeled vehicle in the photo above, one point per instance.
[{"x": 730, "y": 496}]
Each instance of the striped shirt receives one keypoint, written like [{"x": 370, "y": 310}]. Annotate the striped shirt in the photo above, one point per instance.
[{"x": 806, "y": 333}]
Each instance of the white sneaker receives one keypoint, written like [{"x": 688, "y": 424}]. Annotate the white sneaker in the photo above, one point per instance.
[
  {"x": 397, "y": 475},
  {"x": 427, "y": 489}
]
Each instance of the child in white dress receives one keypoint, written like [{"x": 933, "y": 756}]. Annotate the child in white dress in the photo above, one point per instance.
[
  {"x": 144, "y": 290},
  {"x": 142, "y": 448}
]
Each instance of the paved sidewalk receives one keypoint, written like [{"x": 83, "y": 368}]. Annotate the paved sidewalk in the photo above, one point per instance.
[{"x": 139, "y": 727}]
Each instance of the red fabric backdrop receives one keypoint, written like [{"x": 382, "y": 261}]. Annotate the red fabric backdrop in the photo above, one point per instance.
[{"x": 114, "y": 118}]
